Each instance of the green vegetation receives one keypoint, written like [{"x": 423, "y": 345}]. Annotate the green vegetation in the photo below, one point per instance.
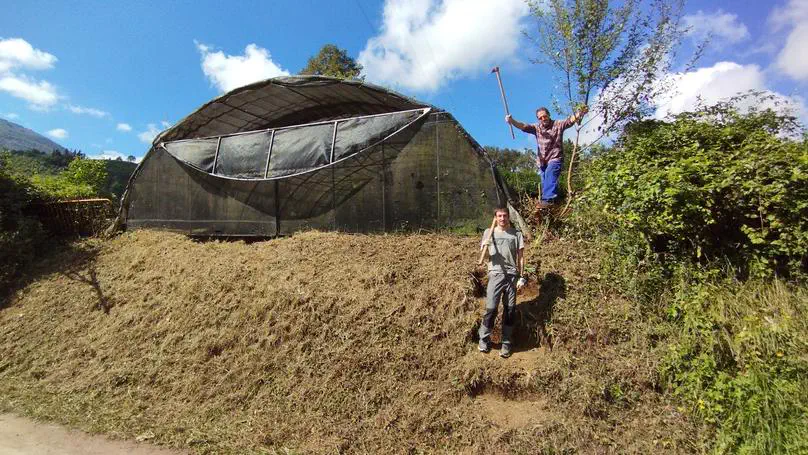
[
  {"x": 21, "y": 234},
  {"x": 704, "y": 222},
  {"x": 31, "y": 162},
  {"x": 31, "y": 178},
  {"x": 739, "y": 362},
  {"x": 517, "y": 168},
  {"x": 67, "y": 175},
  {"x": 713, "y": 185},
  {"x": 82, "y": 178}
]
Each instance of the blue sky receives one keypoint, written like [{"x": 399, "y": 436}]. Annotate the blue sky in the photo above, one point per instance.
[{"x": 106, "y": 76}]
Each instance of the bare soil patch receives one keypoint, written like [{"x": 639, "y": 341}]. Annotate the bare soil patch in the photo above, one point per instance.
[{"x": 21, "y": 436}]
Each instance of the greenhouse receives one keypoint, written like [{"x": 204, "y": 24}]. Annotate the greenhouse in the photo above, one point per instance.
[{"x": 312, "y": 152}]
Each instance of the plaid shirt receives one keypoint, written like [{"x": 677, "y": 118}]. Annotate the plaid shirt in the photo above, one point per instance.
[{"x": 549, "y": 140}]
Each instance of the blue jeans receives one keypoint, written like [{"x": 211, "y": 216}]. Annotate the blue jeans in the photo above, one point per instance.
[{"x": 549, "y": 180}]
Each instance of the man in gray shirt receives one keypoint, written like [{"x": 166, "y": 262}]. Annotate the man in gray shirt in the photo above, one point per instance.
[{"x": 505, "y": 265}]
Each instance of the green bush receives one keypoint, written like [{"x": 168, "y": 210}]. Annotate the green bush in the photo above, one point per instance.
[
  {"x": 711, "y": 185},
  {"x": 83, "y": 178},
  {"x": 685, "y": 208},
  {"x": 20, "y": 233}
]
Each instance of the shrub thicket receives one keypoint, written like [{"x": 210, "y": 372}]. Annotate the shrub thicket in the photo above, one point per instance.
[
  {"x": 20, "y": 233},
  {"x": 705, "y": 219},
  {"x": 712, "y": 185},
  {"x": 83, "y": 178},
  {"x": 22, "y": 237}
]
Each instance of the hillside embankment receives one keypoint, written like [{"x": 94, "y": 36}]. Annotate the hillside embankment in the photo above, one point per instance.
[{"x": 332, "y": 343}]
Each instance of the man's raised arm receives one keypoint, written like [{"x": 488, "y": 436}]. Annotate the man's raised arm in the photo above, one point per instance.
[
  {"x": 527, "y": 128},
  {"x": 572, "y": 119}
]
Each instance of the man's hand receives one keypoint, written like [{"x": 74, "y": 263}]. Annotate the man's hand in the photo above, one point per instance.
[
  {"x": 521, "y": 283},
  {"x": 509, "y": 119}
]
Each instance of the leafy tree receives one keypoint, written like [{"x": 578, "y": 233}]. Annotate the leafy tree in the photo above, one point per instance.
[
  {"x": 131, "y": 158},
  {"x": 333, "y": 61},
  {"x": 617, "y": 53},
  {"x": 92, "y": 173}
]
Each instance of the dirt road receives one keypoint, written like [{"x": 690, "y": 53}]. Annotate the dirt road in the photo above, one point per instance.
[{"x": 21, "y": 436}]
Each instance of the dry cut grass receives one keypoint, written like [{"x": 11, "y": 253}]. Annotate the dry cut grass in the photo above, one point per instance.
[{"x": 329, "y": 343}]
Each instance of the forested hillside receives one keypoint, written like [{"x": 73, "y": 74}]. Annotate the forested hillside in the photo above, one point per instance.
[{"x": 18, "y": 137}]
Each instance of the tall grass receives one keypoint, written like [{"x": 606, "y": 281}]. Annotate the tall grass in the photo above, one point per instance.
[{"x": 741, "y": 363}]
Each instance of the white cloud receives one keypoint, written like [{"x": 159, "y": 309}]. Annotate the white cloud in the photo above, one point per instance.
[
  {"x": 18, "y": 53},
  {"x": 112, "y": 155},
  {"x": 11, "y": 116},
  {"x": 719, "y": 25},
  {"x": 91, "y": 111},
  {"x": 791, "y": 59},
  {"x": 227, "y": 72},
  {"x": 150, "y": 133},
  {"x": 40, "y": 95},
  {"x": 426, "y": 43},
  {"x": 125, "y": 127},
  {"x": 718, "y": 82},
  {"x": 721, "y": 82},
  {"x": 58, "y": 133},
  {"x": 165, "y": 124},
  {"x": 784, "y": 16},
  {"x": 707, "y": 86}
]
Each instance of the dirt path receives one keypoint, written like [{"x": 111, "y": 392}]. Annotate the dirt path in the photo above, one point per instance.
[{"x": 21, "y": 436}]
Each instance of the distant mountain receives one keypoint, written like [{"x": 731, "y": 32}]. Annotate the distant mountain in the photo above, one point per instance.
[{"x": 17, "y": 137}]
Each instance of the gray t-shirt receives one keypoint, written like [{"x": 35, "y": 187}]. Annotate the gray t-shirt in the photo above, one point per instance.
[{"x": 503, "y": 250}]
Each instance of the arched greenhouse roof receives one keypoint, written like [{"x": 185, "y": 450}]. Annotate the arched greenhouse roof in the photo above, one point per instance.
[{"x": 285, "y": 101}]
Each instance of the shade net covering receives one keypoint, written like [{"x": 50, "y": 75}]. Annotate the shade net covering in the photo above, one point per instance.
[{"x": 408, "y": 168}]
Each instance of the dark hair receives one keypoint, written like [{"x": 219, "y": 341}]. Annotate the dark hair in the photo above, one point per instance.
[
  {"x": 502, "y": 209},
  {"x": 543, "y": 109}
]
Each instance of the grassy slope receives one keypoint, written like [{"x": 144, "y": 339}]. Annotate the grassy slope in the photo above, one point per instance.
[{"x": 328, "y": 342}]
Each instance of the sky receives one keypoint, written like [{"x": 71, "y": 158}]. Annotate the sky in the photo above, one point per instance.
[{"x": 105, "y": 77}]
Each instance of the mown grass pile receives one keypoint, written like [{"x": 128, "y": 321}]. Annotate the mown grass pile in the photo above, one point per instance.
[{"x": 327, "y": 342}]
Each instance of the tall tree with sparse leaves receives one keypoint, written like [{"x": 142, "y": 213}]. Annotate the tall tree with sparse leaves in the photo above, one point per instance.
[
  {"x": 612, "y": 56},
  {"x": 333, "y": 61}
]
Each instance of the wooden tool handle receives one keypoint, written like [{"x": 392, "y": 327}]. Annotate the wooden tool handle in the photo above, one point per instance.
[
  {"x": 504, "y": 100},
  {"x": 484, "y": 248}
]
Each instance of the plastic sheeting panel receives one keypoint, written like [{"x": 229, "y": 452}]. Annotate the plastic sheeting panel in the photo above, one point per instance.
[
  {"x": 356, "y": 134},
  {"x": 244, "y": 156},
  {"x": 296, "y": 150},
  {"x": 198, "y": 153}
]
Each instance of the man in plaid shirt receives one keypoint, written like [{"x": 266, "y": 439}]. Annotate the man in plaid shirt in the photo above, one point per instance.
[{"x": 549, "y": 136}]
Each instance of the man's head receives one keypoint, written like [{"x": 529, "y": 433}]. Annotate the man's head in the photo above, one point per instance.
[
  {"x": 503, "y": 217},
  {"x": 543, "y": 115}
]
